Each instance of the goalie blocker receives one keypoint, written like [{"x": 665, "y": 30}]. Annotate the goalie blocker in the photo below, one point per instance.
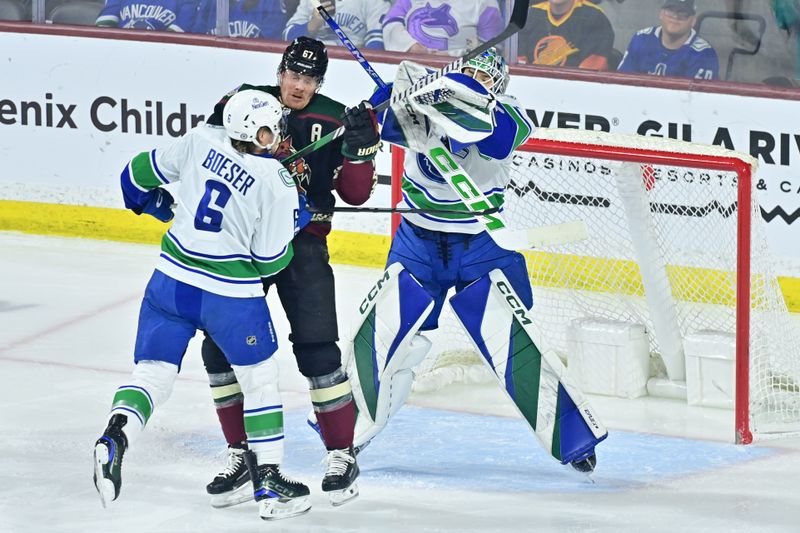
[{"x": 386, "y": 347}]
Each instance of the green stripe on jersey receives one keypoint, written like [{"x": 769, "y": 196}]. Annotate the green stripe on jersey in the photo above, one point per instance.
[
  {"x": 523, "y": 128},
  {"x": 230, "y": 268},
  {"x": 134, "y": 399},
  {"x": 463, "y": 118},
  {"x": 417, "y": 196},
  {"x": 268, "y": 268},
  {"x": 143, "y": 173},
  {"x": 263, "y": 424}
]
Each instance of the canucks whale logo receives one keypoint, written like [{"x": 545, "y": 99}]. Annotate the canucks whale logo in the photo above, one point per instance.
[
  {"x": 421, "y": 21},
  {"x": 430, "y": 171}
]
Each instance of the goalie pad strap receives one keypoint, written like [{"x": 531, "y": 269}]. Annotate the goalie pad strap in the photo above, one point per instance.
[{"x": 500, "y": 327}]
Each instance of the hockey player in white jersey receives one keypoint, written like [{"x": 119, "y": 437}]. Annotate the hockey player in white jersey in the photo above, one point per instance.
[
  {"x": 234, "y": 225},
  {"x": 474, "y": 128}
]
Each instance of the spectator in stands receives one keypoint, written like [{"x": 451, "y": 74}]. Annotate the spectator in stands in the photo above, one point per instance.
[
  {"x": 246, "y": 18},
  {"x": 566, "y": 33},
  {"x": 360, "y": 20},
  {"x": 441, "y": 26},
  {"x": 787, "y": 15},
  {"x": 672, "y": 49},
  {"x": 163, "y": 15}
]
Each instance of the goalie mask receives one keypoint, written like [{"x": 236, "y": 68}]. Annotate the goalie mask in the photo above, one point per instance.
[
  {"x": 305, "y": 56},
  {"x": 248, "y": 111},
  {"x": 492, "y": 64}
]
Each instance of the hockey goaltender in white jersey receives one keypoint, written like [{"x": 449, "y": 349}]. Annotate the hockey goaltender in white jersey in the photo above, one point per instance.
[{"x": 461, "y": 131}]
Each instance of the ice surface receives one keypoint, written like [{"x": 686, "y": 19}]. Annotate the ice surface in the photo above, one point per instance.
[{"x": 68, "y": 311}]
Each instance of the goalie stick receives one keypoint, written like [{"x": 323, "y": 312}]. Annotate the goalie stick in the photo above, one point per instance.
[
  {"x": 400, "y": 210},
  {"x": 519, "y": 15},
  {"x": 538, "y": 237},
  {"x": 454, "y": 174}
]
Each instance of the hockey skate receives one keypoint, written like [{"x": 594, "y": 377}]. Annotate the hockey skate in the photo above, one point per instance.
[
  {"x": 277, "y": 496},
  {"x": 108, "y": 452},
  {"x": 585, "y": 465},
  {"x": 340, "y": 478},
  {"x": 232, "y": 485}
]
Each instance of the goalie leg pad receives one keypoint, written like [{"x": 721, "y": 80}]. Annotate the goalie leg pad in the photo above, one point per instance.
[
  {"x": 499, "y": 325},
  {"x": 381, "y": 345},
  {"x": 394, "y": 391}
]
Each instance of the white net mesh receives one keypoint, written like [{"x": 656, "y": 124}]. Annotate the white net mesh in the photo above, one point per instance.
[{"x": 662, "y": 252}]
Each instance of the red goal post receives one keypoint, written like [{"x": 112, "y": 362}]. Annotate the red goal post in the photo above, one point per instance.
[{"x": 667, "y": 213}]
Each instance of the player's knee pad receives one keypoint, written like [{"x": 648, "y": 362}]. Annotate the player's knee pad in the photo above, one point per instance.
[
  {"x": 318, "y": 358},
  {"x": 253, "y": 378},
  {"x": 150, "y": 385},
  {"x": 389, "y": 317}
]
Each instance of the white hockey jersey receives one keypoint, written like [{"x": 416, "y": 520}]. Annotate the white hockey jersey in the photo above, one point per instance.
[
  {"x": 360, "y": 19},
  {"x": 236, "y": 216},
  {"x": 443, "y": 25},
  {"x": 486, "y": 162}
]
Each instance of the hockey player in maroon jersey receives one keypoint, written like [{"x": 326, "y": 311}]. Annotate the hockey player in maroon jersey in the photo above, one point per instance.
[{"x": 306, "y": 286}]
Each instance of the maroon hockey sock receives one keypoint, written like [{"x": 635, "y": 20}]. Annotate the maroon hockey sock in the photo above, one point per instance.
[
  {"x": 337, "y": 425},
  {"x": 231, "y": 418}
]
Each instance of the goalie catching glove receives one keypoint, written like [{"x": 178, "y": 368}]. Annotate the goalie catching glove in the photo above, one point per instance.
[
  {"x": 455, "y": 106},
  {"x": 361, "y": 138}
]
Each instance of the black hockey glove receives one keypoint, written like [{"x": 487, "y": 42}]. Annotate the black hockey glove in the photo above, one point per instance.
[{"x": 361, "y": 138}]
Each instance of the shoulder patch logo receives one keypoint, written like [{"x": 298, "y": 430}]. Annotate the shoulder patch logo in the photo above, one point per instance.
[{"x": 286, "y": 178}]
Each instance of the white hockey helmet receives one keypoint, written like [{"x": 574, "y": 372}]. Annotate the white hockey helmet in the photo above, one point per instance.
[{"x": 250, "y": 110}]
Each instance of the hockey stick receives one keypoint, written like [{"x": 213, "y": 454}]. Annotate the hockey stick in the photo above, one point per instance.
[
  {"x": 348, "y": 43},
  {"x": 420, "y": 210},
  {"x": 519, "y": 15},
  {"x": 454, "y": 174}
]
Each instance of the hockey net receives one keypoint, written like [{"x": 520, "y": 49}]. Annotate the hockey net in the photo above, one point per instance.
[{"x": 669, "y": 248}]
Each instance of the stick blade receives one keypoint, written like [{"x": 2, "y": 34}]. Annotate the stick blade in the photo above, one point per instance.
[
  {"x": 541, "y": 236},
  {"x": 556, "y": 234}
]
